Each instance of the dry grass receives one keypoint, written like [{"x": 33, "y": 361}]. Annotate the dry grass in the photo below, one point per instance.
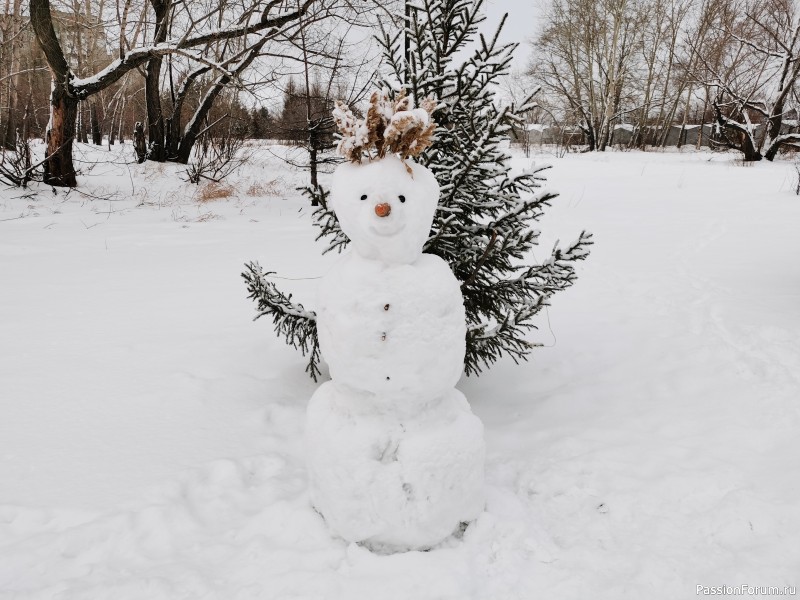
[
  {"x": 158, "y": 198},
  {"x": 262, "y": 188},
  {"x": 213, "y": 191},
  {"x": 154, "y": 170},
  {"x": 209, "y": 216}
]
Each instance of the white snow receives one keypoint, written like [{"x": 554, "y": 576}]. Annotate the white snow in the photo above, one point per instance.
[{"x": 151, "y": 433}]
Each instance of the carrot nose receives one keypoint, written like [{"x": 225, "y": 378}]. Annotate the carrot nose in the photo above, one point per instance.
[{"x": 383, "y": 210}]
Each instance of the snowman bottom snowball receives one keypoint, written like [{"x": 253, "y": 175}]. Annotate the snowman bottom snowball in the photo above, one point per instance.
[{"x": 390, "y": 483}]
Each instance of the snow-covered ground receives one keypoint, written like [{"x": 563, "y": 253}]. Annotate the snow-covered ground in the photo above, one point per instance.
[{"x": 150, "y": 431}]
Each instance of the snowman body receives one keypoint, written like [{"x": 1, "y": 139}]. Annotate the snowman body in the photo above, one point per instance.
[
  {"x": 395, "y": 454},
  {"x": 397, "y": 331}
]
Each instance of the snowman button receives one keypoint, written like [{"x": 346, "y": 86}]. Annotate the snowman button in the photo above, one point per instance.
[{"x": 385, "y": 307}]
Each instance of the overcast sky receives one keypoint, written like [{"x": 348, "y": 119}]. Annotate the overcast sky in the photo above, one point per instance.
[{"x": 520, "y": 25}]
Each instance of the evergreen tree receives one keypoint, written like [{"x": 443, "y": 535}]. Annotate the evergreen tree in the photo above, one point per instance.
[
  {"x": 261, "y": 125},
  {"x": 483, "y": 224},
  {"x": 305, "y": 111}
]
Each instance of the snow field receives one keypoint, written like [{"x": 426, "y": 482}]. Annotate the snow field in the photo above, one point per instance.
[{"x": 151, "y": 433}]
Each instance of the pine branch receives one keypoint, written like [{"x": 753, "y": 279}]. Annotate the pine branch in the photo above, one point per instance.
[
  {"x": 291, "y": 320},
  {"x": 486, "y": 342}
]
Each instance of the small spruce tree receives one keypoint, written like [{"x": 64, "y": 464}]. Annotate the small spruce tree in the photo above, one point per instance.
[{"x": 483, "y": 223}]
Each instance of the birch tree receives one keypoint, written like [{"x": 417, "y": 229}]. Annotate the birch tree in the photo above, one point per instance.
[{"x": 584, "y": 54}]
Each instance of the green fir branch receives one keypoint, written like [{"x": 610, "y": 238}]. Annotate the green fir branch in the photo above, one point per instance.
[{"x": 290, "y": 319}]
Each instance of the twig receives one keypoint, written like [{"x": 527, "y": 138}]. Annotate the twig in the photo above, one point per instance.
[{"x": 482, "y": 259}]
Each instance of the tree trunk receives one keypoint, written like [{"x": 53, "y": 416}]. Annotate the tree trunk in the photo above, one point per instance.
[
  {"x": 14, "y": 26},
  {"x": 772, "y": 151},
  {"x": 58, "y": 167},
  {"x": 312, "y": 151},
  {"x": 139, "y": 144},
  {"x": 772, "y": 130},
  {"x": 97, "y": 135},
  {"x": 773, "y": 127},
  {"x": 84, "y": 122},
  {"x": 155, "y": 117},
  {"x": 10, "y": 128},
  {"x": 590, "y": 138},
  {"x": 22, "y": 141},
  {"x": 111, "y": 130},
  {"x": 703, "y": 123},
  {"x": 602, "y": 142},
  {"x": 152, "y": 83},
  {"x": 682, "y": 134},
  {"x": 194, "y": 126},
  {"x": 751, "y": 153},
  {"x": 121, "y": 127},
  {"x": 174, "y": 122},
  {"x": 9, "y": 136}
]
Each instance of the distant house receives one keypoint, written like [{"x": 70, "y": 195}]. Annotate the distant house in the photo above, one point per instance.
[
  {"x": 536, "y": 133},
  {"x": 678, "y": 135},
  {"x": 622, "y": 134}
]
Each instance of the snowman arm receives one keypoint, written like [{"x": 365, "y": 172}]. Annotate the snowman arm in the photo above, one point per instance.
[
  {"x": 492, "y": 334},
  {"x": 290, "y": 319}
]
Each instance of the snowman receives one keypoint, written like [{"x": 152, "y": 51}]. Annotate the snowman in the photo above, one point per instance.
[{"x": 395, "y": 455}]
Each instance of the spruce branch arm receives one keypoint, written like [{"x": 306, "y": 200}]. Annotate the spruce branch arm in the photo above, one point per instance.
[{"x": 290, "y": 320}]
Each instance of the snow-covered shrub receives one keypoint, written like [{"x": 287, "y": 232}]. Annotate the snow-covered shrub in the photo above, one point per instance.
[{"x": 217, "y": 156}]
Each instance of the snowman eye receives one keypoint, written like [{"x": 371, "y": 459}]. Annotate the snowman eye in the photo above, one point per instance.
[
  {"x": 364, "y": 197},
  {"x": 402, "y": 198}
]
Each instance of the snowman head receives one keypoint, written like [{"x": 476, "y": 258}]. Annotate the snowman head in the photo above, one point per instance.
[
  {"x": 384, "y": 200},
  {"x": 385, "y": 207}
]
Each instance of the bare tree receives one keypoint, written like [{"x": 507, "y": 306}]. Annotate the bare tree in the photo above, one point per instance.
[
  {"x": 629, "y": 62},
  {"x": 753, "y": 69},
  {"x": 11, "y": 27},
  {"x": 259, "y": 19},
  {"x": 584, "y": 54}
]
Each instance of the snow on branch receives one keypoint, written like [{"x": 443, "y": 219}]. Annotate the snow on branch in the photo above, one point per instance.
[
  {"x": 82, "y": 87},
  {"x": 291, "y": 320}
]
